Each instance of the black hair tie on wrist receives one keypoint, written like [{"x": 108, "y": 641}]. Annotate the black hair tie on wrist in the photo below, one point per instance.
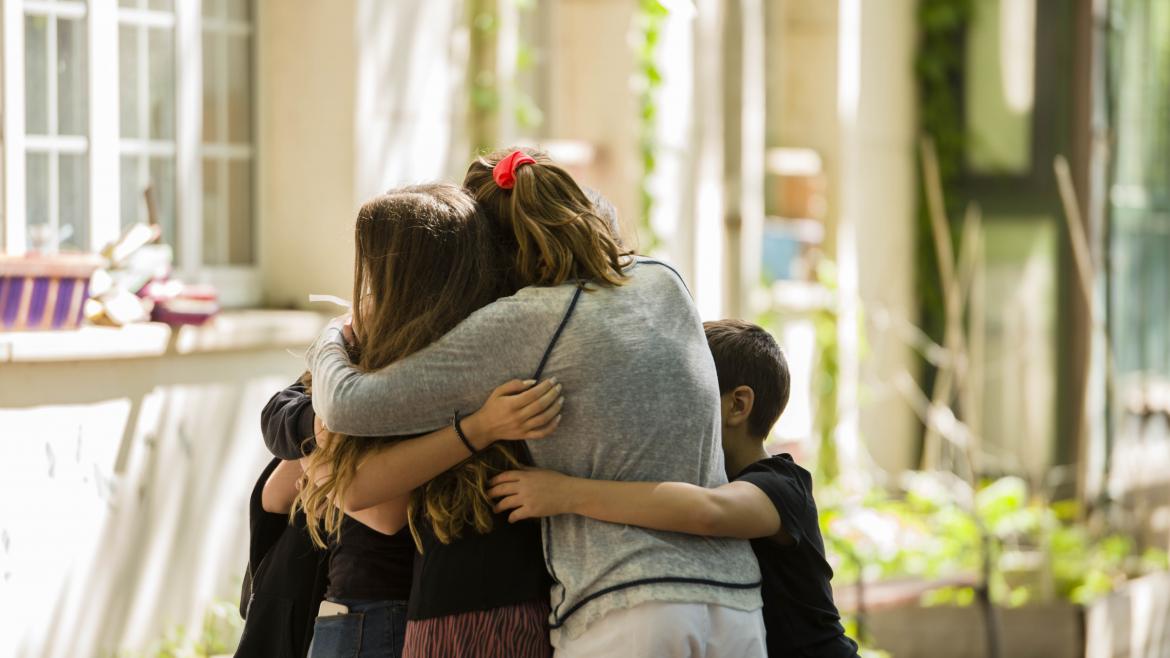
[{"x": 462, "y": 436}]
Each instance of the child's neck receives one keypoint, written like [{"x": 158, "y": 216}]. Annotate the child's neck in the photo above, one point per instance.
[{"x": 741, "y": 450}]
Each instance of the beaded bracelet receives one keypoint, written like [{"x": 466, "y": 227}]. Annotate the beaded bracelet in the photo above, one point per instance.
[{"x": 461, "y": 435}]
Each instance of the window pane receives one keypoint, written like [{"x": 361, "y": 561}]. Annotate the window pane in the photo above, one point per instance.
[
  {"x": 36, "y": 99},
  {"x": 240, "y": 212},
  {"x": 128, "y": 3},
  {"x": 128, "y": 80},
  {"x": 999, "y": 87},
  {"x": 212, "y": 8},
  {"x": 37, "y": 201},
  {"x": 239, "y": 10},
  {"x": 71, "y": 77},
  {"x": 162, "y": 83},
  {"x": 239, "y": 89},
  {"x": 162, "y": 181},
  {"x": 162, "y": 5},
  {"x": 133, "y": 209},
  {"x": 1139, "y": 198},
  {"x": 212, "y": 52},
  {"x": 74, "y": 201},
  {"x": 212, "y": 226},
  {"x": 1020, "y": 274}
]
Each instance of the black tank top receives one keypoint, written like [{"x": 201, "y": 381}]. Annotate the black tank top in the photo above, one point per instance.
[
  {"x": 479, "y": 572},
  {"x": 367, "y": 565}
]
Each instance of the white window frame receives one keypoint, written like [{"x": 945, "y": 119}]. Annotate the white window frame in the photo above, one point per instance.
[
  {"x": 238, "y": 285},
  {"x": 143, "y": 147},
  {"x": 224, "y": 152}
]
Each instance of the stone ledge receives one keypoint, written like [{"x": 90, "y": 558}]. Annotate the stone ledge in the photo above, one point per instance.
[{"x": 229, "y": 331}]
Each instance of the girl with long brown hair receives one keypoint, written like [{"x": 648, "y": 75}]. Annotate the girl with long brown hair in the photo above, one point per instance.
[
  {"x": 630, "y": 347},
  {"x": 425, "y": 260}
]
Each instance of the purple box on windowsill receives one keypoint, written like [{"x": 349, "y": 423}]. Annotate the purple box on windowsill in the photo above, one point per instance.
[{"x": 44, "y": 292}]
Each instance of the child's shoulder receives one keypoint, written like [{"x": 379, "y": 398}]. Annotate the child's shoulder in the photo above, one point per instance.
[
  {"x": 789, "y": 487},
  {"x": 781, "y": 466},
  {"x": 780, "y": 477}
]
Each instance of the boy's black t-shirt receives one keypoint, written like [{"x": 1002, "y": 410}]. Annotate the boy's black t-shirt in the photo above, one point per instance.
[{"x": 799, "y": 614}]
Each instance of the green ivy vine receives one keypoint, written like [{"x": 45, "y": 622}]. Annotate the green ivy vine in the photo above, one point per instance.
[
  {"x": 939, "y": 68},
  {"x": 649, "y": 21},
  {"x": 486, "y": 85}
]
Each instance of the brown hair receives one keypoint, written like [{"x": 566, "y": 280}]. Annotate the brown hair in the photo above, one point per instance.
[
  {"x": 558, "y": 233},
  {"x": 747, "y": 355},
  {"x": 424, "y": 260}
]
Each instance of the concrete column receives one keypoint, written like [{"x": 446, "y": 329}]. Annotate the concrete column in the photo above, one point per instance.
[
  {"x": 743, "y": 151},
  {"x": 875, "y": 232},
  {"x": 358, "y": 96},
  {"x": 306, "y": 64},
  {"x": 707, "y": 171},
  {"x": 410, "y": 63}
]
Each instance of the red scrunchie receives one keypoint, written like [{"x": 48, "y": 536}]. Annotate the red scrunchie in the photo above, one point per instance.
[{"x": 505, "y": 170}]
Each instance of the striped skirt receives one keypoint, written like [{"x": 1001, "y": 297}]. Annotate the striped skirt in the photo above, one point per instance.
[{"x": 516, "y": 631}]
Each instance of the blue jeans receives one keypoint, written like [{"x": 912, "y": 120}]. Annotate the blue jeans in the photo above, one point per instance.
[{"x": 372, "y": 629}]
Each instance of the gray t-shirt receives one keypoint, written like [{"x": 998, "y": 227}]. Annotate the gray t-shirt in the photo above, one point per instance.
[{"x": 642, "y": 404}]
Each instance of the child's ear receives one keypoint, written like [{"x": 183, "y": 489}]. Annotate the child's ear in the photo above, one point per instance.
[{"x": 742, "y": 399}]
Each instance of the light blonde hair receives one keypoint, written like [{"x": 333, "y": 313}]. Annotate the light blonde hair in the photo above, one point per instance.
[{"x": 559, "y": 234}]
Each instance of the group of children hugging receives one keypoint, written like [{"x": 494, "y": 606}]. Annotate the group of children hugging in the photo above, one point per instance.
[{"x": 597, "y": 485}]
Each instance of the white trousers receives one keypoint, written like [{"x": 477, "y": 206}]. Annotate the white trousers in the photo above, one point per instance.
[{"x": 671, "y": 630}]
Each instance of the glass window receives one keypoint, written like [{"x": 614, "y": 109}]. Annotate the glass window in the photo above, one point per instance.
[
  {"x": 71, "y": 77},
  {"x": 240, "y": 212},
  {"x": 132, "y": 206},
  {"x": 36, "y": 177},
  {"x": 239, "y": 89},
  {"x": 162, "y": 187},
  {"x": 212, "y": 86},
  {"x": 1139, "y": 199},
  {"x": 160, "y": 46},
  {"x": 144, "y": 92},
  {"x": 73, "y": 232},
  {"x": 227, "y": 133},
  {"x": 1016, "y": 395},
  {"x": 128, "y": 81},
  {"x": 56, "y": 125},
  {"x": 212, "y": 204},
  {"x": 238, "y": 10},
  {"x": 147, "y": 99},
  {"x": 999, "y": 87},
  {"x": 36, "y": 95}
]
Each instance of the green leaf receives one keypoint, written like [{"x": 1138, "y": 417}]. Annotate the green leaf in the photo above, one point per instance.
[
  {"x": 528, "y": 115},
  {"x": 484, "y": 21},
  {"x": 965, "y": 596},
  {"x": 526, "y": 57}
]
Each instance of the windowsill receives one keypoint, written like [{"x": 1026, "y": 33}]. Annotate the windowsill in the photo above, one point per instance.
[{"x": 229, "y": 331}]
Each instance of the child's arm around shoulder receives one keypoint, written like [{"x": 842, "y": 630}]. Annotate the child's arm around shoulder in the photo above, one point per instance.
[
  {"x": 736, "y": 509},
  {"x": 280, "y": 490}
]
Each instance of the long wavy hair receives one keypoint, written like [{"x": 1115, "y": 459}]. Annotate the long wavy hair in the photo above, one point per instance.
[
  {"x": 552, "y": 232},
  {"x": 425, "y": 259},
  {"x": 558, "y": 233}
]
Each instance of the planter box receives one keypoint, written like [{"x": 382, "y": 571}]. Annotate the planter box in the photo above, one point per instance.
[
  {"x": 44, "y": 292},
  {"x": 1042, "y": 631},
  {"x": 1133, "y": 622}
]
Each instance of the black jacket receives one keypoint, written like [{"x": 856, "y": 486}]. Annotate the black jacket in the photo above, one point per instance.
[
  {"x": 287, "y": 421},
  {"x": 284, "y": 583}
]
